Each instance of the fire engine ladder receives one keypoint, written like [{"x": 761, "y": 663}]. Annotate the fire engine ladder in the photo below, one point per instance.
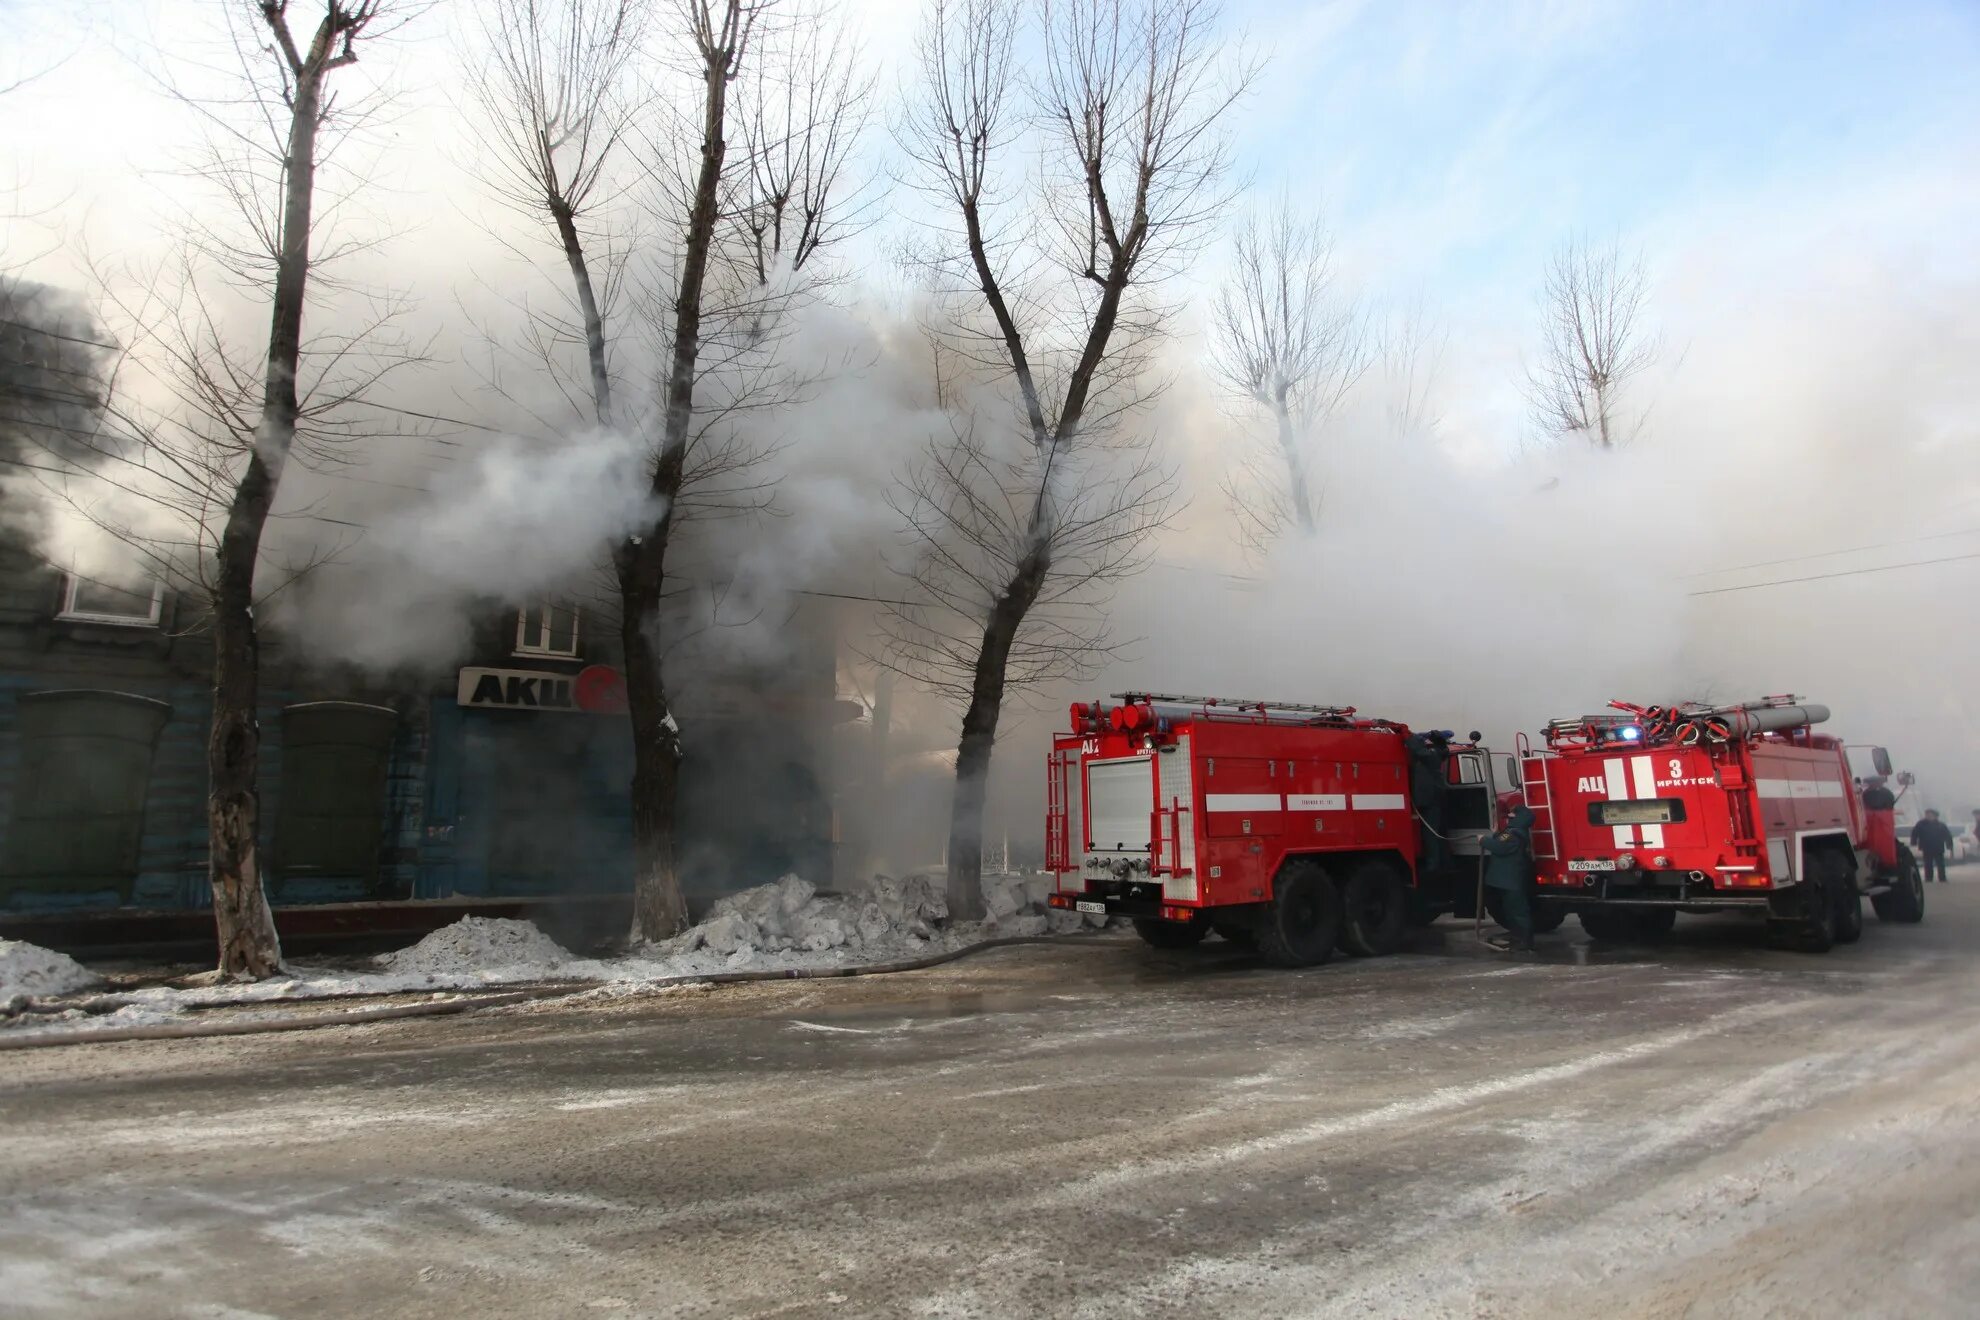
[{"x": 1539, "y": 800}]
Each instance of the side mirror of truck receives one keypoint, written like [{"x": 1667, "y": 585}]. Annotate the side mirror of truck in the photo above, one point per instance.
[
  {"x": 1881, "y": 760},
  {"x": 1512, "y": 772}
]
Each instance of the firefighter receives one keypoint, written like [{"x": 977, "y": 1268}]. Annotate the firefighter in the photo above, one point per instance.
[
  {"x": 1509, "y": 869},
  {"x": 1429, "y": 780},
  {"x": 1933, "y": 841}
]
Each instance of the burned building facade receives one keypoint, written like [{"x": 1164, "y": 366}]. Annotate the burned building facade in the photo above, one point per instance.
[{"x": 499, "y": 787}]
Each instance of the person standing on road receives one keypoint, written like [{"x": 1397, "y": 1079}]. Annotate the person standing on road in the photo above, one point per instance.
[
  {"x": 1933, "y": 841},
  {"x": 1509, "y": 871}
]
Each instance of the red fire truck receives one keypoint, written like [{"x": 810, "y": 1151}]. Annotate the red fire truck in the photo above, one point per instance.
[
  {"x": 1643, "y": 812},
  {"x": 1289, "y": 826}
]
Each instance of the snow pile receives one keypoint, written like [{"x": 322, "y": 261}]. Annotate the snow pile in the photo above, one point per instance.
[
  {"x": 1015, "y": 905},
  {"x": 28, "y": 971},
  {"x": 482, "y": 948},
  {"x": 792, "y": 917}
]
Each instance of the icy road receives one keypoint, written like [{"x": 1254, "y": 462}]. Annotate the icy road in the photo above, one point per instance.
[{"x": 1713, "y": 1129}]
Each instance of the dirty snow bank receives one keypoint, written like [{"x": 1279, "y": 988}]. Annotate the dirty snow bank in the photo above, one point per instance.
[
  {"x": 786, "y": 926},
  {"x": 28, "y": 971}
]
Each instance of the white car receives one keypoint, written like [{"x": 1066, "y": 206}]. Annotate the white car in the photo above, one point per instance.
[{"x": 1966, "y": 848}]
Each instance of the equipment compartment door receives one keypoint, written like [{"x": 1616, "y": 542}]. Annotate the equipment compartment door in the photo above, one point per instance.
[{"x": 1244, "y": 796}]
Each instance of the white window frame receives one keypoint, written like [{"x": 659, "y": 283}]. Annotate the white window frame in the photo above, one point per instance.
[
  {"x": 546, "y": 615},
  {"x": 70, "y": 614}
]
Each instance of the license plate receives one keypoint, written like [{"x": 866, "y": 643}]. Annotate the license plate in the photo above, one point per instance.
[
  {"x": 1085, "y": 905},
  {"x": 1600, "y": 865}
]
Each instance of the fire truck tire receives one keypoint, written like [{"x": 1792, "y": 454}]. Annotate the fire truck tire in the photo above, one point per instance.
[
  {"x": 1171, "y": 934},
  {"x": 1806, "y": 922},
  {"x": 1374, "y": 911},
  {"x": 1628, "y": 925},
  {"x": 1849, "y": 903},
  {"x": 1303, "y": 919},
  {"x": 1904, "y": 901}
]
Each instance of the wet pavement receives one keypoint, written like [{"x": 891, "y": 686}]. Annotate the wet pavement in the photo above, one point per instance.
[{"x": 1710, "y": 1127}]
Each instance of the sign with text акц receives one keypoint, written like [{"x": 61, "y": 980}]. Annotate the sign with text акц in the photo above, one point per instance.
[{"x": 519, "y": 689}]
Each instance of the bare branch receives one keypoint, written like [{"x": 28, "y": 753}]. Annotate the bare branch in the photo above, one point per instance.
[{"x": 1594, "y": 341}]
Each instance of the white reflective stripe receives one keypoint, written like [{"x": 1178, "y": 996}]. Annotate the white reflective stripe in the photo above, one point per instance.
[
  {"x": 1316, "y": 802},
  {"x": 1645, "y": 775},
  {"x": 1774, "y": 788},
  {"x": 1829, "y": 788},
  {"x": 1806, "y": 788},
  {"x": 1619, "y": 792},
  {"x": 1241, "y": 802},
  {"x": 1378, "y": 802}
]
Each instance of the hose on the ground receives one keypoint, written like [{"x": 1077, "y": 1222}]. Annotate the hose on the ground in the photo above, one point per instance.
[{"x": 492, "y": 999}]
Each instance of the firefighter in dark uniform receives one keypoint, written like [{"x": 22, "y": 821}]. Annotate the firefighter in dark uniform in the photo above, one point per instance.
[
  {"x": 1509, "y": 871},
  {"x": 1429, "y": 782},
  {"x": 1933, "y": 841}
]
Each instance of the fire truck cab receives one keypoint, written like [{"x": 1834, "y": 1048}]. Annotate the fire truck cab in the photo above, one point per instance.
[
  {"x": 1645, "y": 812},
  {"x": 1290, "y": 827}
]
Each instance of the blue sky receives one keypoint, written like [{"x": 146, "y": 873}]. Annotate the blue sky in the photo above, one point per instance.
[{"x": 1459, "y": 141}]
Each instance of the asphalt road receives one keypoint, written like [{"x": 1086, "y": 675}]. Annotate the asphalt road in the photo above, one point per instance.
[{"x": 1711, "y": 1129}]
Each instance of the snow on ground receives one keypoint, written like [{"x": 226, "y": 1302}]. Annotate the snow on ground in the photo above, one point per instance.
[
  {"x": 786, "y": 926},
  {"x": 28, "y": 971}
]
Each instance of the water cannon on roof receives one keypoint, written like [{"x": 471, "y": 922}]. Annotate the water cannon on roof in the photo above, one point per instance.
[{"x": 1684, "y": 724}]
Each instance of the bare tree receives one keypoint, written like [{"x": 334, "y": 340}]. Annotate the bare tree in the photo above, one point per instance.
[
  {"x": 739, "y": 224},
  {"x": 193, "y": 484},
  {"x": 1290, "y": 343},
  {"x": 1021, "y": 531},
  {"x": 1411, "y": 353},
  {"x": 1595, "y": 340},
  {"x": 779, "y": 109}
]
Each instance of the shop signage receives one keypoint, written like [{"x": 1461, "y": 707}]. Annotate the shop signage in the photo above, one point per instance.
[{"x": 597, "y": 689}]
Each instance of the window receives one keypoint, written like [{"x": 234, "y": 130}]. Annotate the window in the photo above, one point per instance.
[
  {"x": 85, "y": 769},
  {"x": 547, "y": 630},
  {"x": 330, "y": 819},
  {"x": 91, "y": 600}
]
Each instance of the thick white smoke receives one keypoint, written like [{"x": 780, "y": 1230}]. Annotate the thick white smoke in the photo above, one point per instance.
[{"x": 510, "y": 524}]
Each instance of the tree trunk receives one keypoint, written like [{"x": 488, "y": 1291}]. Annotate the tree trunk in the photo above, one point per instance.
[
  {"x": 249, "y": 947},
  {"x": 1295, "y": 468},
  {"x": 659, "y": 910},
  {"x": 979, "y": 736}
]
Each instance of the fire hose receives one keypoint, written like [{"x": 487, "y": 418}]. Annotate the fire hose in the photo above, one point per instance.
[{"x": 491, "y": 999}]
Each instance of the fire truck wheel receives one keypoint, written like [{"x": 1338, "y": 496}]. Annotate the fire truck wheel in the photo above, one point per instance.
[
  {"x": 1904, "y": 901},
  {"x": 1804, "y": 918},
  {"x": 1374, "y": 911},
  {"x": 1303, "y": 919},
  {"x": 1171, "y": 934},
  {"x": 1849, "y": 903}
]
